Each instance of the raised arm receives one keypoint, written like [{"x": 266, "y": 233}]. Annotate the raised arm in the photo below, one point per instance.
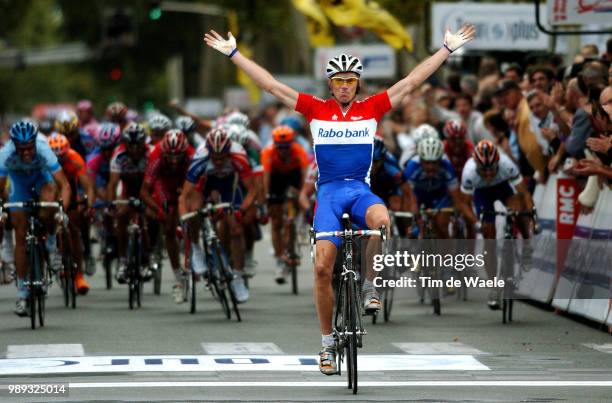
[
  {"x": 427, "y": 67},
  {"x": 261, "y": 76}
]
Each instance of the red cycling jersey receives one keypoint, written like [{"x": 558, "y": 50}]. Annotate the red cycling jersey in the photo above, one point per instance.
[
  {"x": 166, "y": 182},
  {"x": 458, "y": 160}
]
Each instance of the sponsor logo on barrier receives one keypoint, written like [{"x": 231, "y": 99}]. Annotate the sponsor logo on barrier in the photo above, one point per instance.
[{"x": 567, "y": 215}]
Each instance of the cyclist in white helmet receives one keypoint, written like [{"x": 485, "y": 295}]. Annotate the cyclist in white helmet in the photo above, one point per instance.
[
  {"x": 434, "y": 183},
  {"x": 343, "y": 130}
]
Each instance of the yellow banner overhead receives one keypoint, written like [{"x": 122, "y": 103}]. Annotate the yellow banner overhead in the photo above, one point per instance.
[
  {"x": 243, "y": 79},
  {"x": 368, "y": 15},
  {"x": 319, "y": 29}
]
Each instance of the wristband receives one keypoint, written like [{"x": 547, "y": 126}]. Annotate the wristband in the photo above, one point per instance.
[
  {"x": 447, "y": 48},
  {"x": 232, "y": 53}
]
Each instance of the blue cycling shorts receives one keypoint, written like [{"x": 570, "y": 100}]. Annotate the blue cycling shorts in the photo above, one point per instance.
[
  {"x": 485, "y": 198},
  {"x": 433, "y": 200},
  {"x": 229, "y": 190},
  {"x": 339, "y": 197},
  {"x": 27, "y": 187}
]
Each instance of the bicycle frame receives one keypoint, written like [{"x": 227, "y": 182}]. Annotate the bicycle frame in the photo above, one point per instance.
[{"x": 348, "y": 329}]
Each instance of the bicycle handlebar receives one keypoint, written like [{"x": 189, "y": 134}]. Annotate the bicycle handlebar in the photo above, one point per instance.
[
  {"x": 132, "y": 201},
  {"x": 401, "y": 214},
  {"x": 207, "y": 209},
  {"x": 349, "y": 233}
]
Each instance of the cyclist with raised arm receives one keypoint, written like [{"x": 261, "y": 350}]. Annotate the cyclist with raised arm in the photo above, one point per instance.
[
  {"x": 220, "y": 170},
  {"x": 75, "y": 169},
  {"x": 164, "y": 177},
  {"x": 188, "y": 126},
  {"x": 487, "y": 177},
  {"x": 127, "y": 167},
  {"x": 343, "y": 130},
  {"x": 34, "y": 172},
  {"x": 285, "y": 163}
]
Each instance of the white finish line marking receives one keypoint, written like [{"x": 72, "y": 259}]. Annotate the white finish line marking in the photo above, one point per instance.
[
  {"x": 241, "y": 348},
  {"x": 437, "y": 348},
  {"x": 94, "y": 385},
  {"x": 217, "y": 363},
  {"x": 604, "y": 348},
  {"x": 44, "y": 350}
]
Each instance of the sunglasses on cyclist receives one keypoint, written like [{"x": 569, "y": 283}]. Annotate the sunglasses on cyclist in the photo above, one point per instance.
[
  {"x": 25, "y": 147},
  {"x": 341, "y": 81}
]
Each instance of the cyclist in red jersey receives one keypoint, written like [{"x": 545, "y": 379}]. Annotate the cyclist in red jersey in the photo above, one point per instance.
[
  {"x": 128, "y": 167},
  {"x": 459, "y": 150},
  {"x": 164, "y": 177},
  {"x": 456, "y": 147},
  {"x": 75, "y": 169}
]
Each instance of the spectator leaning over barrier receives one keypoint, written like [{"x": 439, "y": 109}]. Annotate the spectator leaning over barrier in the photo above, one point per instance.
[
  {"x": 513, "y": 99},
  {"x": 601, "y": 144},
  {"x": 542, "y": 121}
]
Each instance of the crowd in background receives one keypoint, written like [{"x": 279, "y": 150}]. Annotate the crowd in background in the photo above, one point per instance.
[{"x": 540, "y": 113}]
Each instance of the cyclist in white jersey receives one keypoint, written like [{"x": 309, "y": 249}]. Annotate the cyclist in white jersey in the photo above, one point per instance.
[
  {"x": 491, "y": 176},
  {"x": 343, "y": 131}
]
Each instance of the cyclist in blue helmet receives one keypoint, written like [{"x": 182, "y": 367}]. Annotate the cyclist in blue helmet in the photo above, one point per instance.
[{"x": 34, "y": 173}]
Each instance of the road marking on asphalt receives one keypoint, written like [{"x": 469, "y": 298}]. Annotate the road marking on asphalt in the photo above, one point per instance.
[
  {"x": 438, "y": 348},
  {"x": 241, "y": 348},
  {"x": 335, "y": 384},
  {"x": 604, "y": 348},
  {"x": 44, "y": 350},
  {"x": 221, "y": 363}
]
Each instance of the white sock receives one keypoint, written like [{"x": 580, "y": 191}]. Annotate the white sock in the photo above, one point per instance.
[
  {"x": 367, "y": 284},
  {"x": 327, "y": 340},
  {"x": 178, "y": 275}
]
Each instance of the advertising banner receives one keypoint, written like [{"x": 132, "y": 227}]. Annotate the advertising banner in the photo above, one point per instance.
[
  {"x": 499, "y": 26},
  {"x": 578, "y": 12}
]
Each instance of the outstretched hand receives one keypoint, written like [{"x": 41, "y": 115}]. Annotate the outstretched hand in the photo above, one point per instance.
[
  {"x": 454, "y": 41},
  {"x": 216, "y": 41}
]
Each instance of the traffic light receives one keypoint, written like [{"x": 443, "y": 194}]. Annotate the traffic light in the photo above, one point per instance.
[
  {"x": 115, "y": 74},
  {"x": 155, "y": 11}
]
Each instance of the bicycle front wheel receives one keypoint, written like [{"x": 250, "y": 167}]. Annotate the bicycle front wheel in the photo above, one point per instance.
[
  {"x": 227, "y": 277},
  {"x": 353, "y": 327}
]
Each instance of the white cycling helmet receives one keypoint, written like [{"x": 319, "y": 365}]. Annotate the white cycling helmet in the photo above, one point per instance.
[
  {"x": 430, "y": 149},
  {"x": 343, "y": 63},
  {"x": 237, "y": 133},
  {"x": 425, "y": 131}
]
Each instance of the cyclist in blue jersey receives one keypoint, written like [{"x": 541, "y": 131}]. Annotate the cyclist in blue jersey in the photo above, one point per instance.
[
  {"x": 34, "y": 173},
  {"x": 343, "y": 131},
  {"x": 435, "y": 185}
]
